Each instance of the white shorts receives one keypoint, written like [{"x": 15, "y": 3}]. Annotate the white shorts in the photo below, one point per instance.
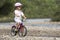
[{"x": 17, "y": 20}]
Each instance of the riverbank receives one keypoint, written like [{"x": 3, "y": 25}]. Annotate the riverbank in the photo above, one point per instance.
[{"x": 36, "y": 31}]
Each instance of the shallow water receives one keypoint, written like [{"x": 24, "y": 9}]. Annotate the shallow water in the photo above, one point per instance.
[{"x": 34, "y": 22}]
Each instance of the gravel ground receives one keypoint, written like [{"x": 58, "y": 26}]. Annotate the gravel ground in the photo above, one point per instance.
[{"x": 34, "y": 33}]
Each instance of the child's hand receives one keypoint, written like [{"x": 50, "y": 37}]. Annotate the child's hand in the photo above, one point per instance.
[
  {"x": 25, "y": 17},
  {"x": 24, "y": 20}
]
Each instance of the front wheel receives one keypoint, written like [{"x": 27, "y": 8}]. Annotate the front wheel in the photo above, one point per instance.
[
  {"x": 13, "y": 32},
  {"x": 22, "y": 32}
]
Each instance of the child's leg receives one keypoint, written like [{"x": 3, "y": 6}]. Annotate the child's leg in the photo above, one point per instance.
[
  {"x": 22, "y": 27},
  {"x": 17, "y": 25}
]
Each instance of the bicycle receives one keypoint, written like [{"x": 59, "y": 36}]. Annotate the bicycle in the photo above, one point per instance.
[{"x": 21, "y": 31}]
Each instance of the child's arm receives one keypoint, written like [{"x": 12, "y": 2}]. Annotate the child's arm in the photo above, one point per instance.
[{"x": 24, "y": 16}]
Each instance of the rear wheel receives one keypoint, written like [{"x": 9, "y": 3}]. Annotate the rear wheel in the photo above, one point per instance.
[{"x": 22, "y": 32}]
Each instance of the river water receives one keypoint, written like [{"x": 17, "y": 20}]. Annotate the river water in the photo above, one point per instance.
[{"x": 34, "y": 22}]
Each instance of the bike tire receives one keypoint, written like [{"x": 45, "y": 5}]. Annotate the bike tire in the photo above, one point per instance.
[
  {"x": 21, "y": 33},
  {"x": 13, "y": 32}
]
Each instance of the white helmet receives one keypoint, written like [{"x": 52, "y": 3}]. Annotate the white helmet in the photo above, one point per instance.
[{"x": 18, "y": 4}]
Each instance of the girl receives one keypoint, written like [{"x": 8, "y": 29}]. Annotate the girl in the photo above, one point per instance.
[{"x": 18, "y": 14}]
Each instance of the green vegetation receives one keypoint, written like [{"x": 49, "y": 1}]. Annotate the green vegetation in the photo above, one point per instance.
[
  {"x": 31, "y": 8},
  {"x": 56, "y": 16}
]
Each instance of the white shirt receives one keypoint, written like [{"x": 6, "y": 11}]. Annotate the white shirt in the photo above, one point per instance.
[{"x": 19, "y": 13}]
